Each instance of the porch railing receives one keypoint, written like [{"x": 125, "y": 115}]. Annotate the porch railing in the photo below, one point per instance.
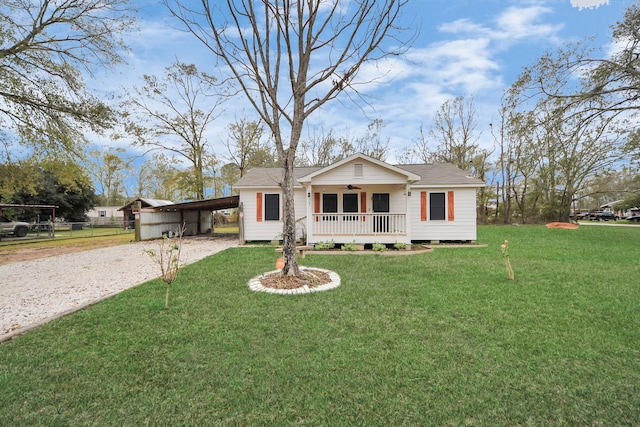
[{"x": 359, "y": 224}]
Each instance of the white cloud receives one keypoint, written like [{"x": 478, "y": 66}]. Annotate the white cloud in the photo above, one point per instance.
[
  {"x": 465, "y": 57},
  {"x": 463, "y": 26},
  {"x": 519, "y": 23},
  {"x": 467, "y": 62},
  {"x": 512, "y": 25},
  {"x": 587, "y": 4}
]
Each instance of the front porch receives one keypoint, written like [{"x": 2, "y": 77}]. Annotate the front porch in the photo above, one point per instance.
[{"x": 359, "y": 227}]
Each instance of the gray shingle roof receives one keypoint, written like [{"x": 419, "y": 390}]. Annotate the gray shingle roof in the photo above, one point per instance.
[
  {"x": 268, "y": 177},
  {"x": 440, "y": 174}
]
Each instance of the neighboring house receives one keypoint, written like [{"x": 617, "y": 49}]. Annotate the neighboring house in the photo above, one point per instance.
[
  {"x": 365, "y": 200},
  {"x": 105, "y": 215},
  {"x": 609, "y": 207}
]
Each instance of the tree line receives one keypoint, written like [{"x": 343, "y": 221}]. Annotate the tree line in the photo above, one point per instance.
[{"x": 564, "y": 137}]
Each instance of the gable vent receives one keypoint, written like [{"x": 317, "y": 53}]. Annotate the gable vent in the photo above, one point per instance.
[{"x": 357, "y": 170}]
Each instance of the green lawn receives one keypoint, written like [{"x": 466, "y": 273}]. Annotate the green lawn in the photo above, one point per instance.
[
  {"x": 439, "y": 338},
  {"x": 8, "y": 246}
]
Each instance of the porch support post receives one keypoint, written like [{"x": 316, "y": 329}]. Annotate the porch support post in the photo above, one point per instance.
[
  {"x": 309, "y": 213},
  {"x": 407, "y": 219}
]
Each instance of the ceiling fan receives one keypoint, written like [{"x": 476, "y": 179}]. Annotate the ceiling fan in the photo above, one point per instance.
[{"x": 351, "y": 187}]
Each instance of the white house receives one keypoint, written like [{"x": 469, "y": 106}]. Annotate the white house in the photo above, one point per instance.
[
  {"x": 365, "y": 200},
  {"x": 103, "y": 215}
]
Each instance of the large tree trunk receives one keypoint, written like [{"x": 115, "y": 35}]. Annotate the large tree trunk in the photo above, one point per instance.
[{"x": 289, "y": 226}]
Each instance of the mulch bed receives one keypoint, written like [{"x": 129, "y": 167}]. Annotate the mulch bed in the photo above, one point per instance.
[{"x": 308, "y": 277}]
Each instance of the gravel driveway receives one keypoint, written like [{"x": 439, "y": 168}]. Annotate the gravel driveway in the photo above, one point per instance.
[{"x": 35, "y": 292}]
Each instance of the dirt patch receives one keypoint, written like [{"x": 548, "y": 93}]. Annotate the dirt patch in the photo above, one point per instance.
[
  {"x": 18, "y": 253},
  {"x": 28, "y": 254},
  {"x": 566, "y": 225}
]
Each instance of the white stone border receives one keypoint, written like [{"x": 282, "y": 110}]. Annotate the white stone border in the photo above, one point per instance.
[{"x": 255, "y": 285}]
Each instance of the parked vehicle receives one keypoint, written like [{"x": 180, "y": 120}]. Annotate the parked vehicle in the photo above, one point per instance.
[
  {"x": 582, "y": 215},
  {"x": 43, "y": 226},
  {"x": 16, "y": 228},
  {"x": 633, "y": 218},
  {"x": 602, "y": 216}
]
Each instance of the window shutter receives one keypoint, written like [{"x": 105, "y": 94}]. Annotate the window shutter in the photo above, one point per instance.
[
  {"x": 258, "y": 207},
  {"x": 450, "y": 205},
  {"x": 316, "y": 202},
  {"x": 423, "y": 206}
]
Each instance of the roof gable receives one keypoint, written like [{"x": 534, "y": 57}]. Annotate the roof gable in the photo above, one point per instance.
[{"x": 359, "y": 157}]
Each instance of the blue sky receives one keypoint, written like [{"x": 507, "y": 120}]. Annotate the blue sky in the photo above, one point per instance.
[{"x": 465, "y": 48}]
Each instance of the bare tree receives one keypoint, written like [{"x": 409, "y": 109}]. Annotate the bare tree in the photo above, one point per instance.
[
  {"x": 320, "y": 148},
  {"x": 506, "y": 142},
  {"x": 589, "y": 85},
  {"x": 167, "y": 115},
  {"x": 44, "y": 48},
  {"x": 246, "y": 146},
  {"x": 419, "y": 152},
  {"x": 372, "y": 144},
  {"x": 574, "y": 137},
  {"x": 323, "y": 149},
  {"x": 289, "y": 58},
  {"x": 454, "y": 129},
  {"x": 519, "y": 160}
]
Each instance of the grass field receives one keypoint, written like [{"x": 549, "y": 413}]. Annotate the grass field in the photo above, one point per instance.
[
  {"x": 440, "y": 338},
  {"x": 66, "y": 234}
]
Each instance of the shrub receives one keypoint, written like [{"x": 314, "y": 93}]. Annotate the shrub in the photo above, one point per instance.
[
  {"x": 380, "y": 247},
  {"x": 329, "y": 244},
  {"x": 350, "y": 246},
  {"x": 400, "y": 246}
]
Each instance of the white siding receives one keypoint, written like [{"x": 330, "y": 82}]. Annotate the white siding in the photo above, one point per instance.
[
  {"x": 374, "y": 179},
  {"x": 112, "y": 215},
  {"x": 267, "y": 230},
  {"x": 371, "y": 174},
  {"x": 463, "y": 227}
]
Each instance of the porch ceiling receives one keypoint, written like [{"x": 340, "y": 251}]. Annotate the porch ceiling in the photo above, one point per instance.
[{"x": 209, "y": 204}]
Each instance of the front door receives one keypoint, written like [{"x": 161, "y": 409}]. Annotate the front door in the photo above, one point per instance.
[{"x": 381, "y": 205}]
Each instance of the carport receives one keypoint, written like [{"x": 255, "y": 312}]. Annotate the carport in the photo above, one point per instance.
[
  {"x": 52, "y": 207},
  {"x": 153, "y": 222},
  {"x": 39, "y": 207}
]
